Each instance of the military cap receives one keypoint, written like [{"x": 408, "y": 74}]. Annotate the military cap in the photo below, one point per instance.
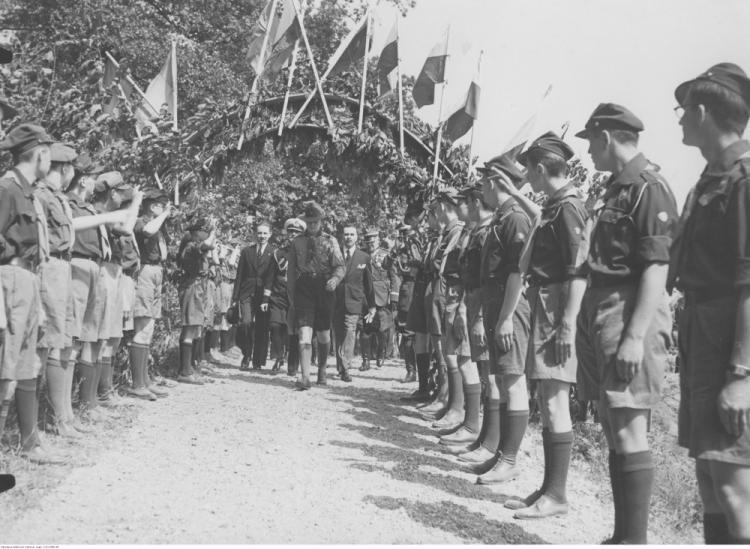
[
  {"x": 153, "y": 194},
  {"x": 295, "y": 224},
  {"x": 727, "y": 75},
  {"x": 371, "y": 233},
  {"x": 9, "y": 111},
  {"x": 449, "y": 195},
  {"x": 549, "y": 143},
  {"x": 313, "y": 212},
  {"x": 504, "y": 164},
  {"x": 610, "y": 116},
  {"x": 85, "y": 164},
  {"x": 109, "y": 180},
  {"x": 59, "y": 152},
  {"x": 25, "y": 137}
]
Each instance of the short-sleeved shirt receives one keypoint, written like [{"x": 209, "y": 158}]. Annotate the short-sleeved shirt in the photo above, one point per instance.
[
  {"x": 153, "y": 247},
  {"x": 124, "y": 251},
  {"x": 19, "y": 235},
  {"x": 713, "y": 250},
  {"x": 454, "y": 239},
  {"x": 559, "y": 248},
  {"x": 318, "y": 256},
  {"x": 88, "y": 242},
  {"x": 504, "y": 242},
  {"x": 471, "y": 258},
  {"x": 59, "y": 218},
  {"x": 634, "y": 225}
]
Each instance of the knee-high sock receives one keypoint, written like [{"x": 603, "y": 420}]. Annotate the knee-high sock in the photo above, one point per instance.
[
  {"x": 87, "y": 374},
  {"x": 637, "y": 471},
  {"x": 512, "y": 431},
  {"x": 423, "y": 371},
  {"x": 105, "y": 380},
  {"x": 138, "y": 363},
  {"x": 472, "y": 396},
  {"x": 197, "y": 350},
  {"x": 70, "y": 367},
  {"x": 214, "y": 339},
  {"x": 323, "y": 350},
  {"x": 293, "y": 358},
  {"x": 225, "y": 341},
  {"x": 715, "y": 529},
  {"x": 186, "y": 358},
  {"x": 559, "y": 462},
  {"x": 615, "y": 477},
  {"x": 57, "y": 387},
  {"x": 27, "y": 408},
  {"x": 492, "y": 416}
]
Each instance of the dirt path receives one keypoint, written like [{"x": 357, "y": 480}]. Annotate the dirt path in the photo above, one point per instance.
[{"x": 248, "y": 460}]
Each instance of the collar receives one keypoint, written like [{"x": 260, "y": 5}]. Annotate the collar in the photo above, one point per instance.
[
  {"x": 562, "y": 193},
  {"x": 484, "y": 223},
  {"x": 631, "y": 171},
  {"x": 507, "y": 205},
  {"x": 450, "y": 226},
  {"x": 351, "y": 250},
  {"x": 728, "y": 157}
]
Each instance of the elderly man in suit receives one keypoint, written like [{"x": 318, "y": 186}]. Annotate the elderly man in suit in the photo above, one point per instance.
[
  {"x": 354, "y": 297},
  {"x": 254, "y": 278}
]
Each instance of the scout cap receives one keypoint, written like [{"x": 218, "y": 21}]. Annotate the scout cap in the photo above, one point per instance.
[
  {"x": 471, "y": 190},
  {"x": 25, "y": 137},
  {"x": 295, "y": 224},
  {"x": 60, "y": 152},
  {"x": 9, "y": 111},
  {"x": 85, "y": 165},
  {"x": 548, "y": 143},
  {"x": 109, "y": 180},
  {"x": 727, "y": 75},
  {"x": 505, "y": 164},
  {"x": 313, "y": 212},
  {"x": 610, "y": 116}
]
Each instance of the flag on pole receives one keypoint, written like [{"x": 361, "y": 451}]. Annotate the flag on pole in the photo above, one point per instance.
[
  {"x": 353, "y": 48},
  {"x": 461, "y": 121},
  {"x": 160, "y": 93},
  {"x": 433, "y": 72},
  {"x": 523, "y": 136},
  {"x": 282, "y": 35},
  {"x": 388, "y": 63}
]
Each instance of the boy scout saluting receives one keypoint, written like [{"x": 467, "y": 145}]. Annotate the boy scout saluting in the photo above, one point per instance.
[
  {"x": 552, "y": 259},
  {"x": 624, "y": 325},
  {"x": 711, "y": 262},
  {"x": 23, "y": 246}
]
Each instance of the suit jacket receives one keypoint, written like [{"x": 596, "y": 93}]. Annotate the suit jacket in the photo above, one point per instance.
[
  {"x": 354, "y": 295},
  {"x": 254, "y": 274}
]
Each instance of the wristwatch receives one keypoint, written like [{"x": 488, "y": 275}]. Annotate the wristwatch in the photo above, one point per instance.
[{"x": 739, "y": 371}]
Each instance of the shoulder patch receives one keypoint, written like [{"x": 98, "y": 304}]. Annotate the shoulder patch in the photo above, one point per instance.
[{"x": 662, "y": 216}]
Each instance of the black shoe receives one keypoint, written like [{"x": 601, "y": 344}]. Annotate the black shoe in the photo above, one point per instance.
[
  {"x": 256, "y": 367},
  {"x": 345, "y": 376},
  {"x": 365, "y": 366},
  {"x": 378, "y": 363},
  {"x": 245, "y": 364}
]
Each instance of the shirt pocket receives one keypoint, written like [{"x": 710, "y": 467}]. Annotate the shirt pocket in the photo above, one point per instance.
[{"x": 615, "y": 235}]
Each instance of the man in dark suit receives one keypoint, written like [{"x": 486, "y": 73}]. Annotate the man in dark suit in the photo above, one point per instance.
[
  {"x": 254, "y": 278},
  {"x": 353, "y": 298}
]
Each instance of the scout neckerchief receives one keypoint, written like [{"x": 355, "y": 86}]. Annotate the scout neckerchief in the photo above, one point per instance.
[
  {"x": 452, "y": 242},
  {"x": 41, "y": 219}
]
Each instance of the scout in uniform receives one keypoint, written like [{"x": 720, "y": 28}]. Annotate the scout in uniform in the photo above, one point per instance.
[
  {"x": 385, "y": 293},
  {"x": 710, "y": 262},
  {"x": 505, "y": 312},
  {"x": 316, "y": 267},
  {"x": 192, "y": 259},
  {"x": 152, "y": 240},
  {"x": 552, "y": 260},
  {"x": 23, "y": 246},
  {"x": 404, "y": 272},
  {"x": 624, "y": 325}
]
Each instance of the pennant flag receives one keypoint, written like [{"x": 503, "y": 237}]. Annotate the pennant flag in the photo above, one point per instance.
[
  {"x": 524, "y": 135},
  {"x": 461, "y": 121},
  {"x": 160, "y": 92},
  {"x": 433, "y": 72},
  {"x": 351, "y": 49},
  {"x": 283, "y": 33},
  {"x": 388, "y": 62}
]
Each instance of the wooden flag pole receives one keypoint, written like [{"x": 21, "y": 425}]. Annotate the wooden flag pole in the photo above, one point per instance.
[
  {"x": 400, "y": 94},
  {"x": 174, "y": 84},
  {"x": 177, "y": 192},
  {"x": 259, "y": 72},
  {"x": 364, "y": 77},
  {"x": 474, "y": 124},
  {"x": 318, "y": 80},
  {"x": 132, "y": 83},
  {"x": 158, "y": 180},
  {"x": 292, "y": 67},
  {"x": 439, "y": 139}
]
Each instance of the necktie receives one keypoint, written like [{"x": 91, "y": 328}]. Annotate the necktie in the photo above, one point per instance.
[{"x": 348, "y": 255}]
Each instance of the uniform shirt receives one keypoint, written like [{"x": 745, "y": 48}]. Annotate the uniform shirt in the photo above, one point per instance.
[
  {"x": 471, "y": 258},
  {"x": 125, "y": 251},
  {"x": 193, "y": 254},
  {"x": 457, "y": 238},
  {"x": 713, "y": 249},
  {"x": 384, "y": 278},
  {"x": 559, "y": 251},
  {"x": 504, "y": 242},
  {"x": 59, "y": 218},
  {"x": 153, "y": 248},
  {"x": 426, "y": 273},
  {"x": 409, "y": 257},
  {"x": 635, "y": 221},
  {"x": 19, "y": 235},
  {"x": 278, "y": 294},
  {"x": 317, "y": 256},
  {"x": 88, "y": 242}
]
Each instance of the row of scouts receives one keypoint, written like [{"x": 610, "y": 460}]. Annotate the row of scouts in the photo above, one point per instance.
[{"x": 507, "y": 293}]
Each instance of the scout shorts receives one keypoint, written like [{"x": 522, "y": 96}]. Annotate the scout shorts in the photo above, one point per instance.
[
  {"x": 605, "y": 312},
  {"x": 18, "y": 358},
  {"x": 456, "y": 337},
  {"x": 209, "y": 294},
  {"x": 313, "y": 303},
  {"x": 513, "y": 361},
  {"x": 148, "y": 292},
  {"x": 547, "y": 306},
  {"x": 434, "y": 305},
  {"x": 416, "y": 320},
  {"x": 474, "y": 319},
  {"x": 88, "y": 299},
  {"x": 127, "y": 291},
  {"x": 193, "y": 302},
  {"x": 55, "y": 281},
  {"x": 706, "y": 337},
  {"x": 111, "y": 323}
]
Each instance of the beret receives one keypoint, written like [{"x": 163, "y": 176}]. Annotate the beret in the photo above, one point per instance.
[
  {"x": 295, "y": 224},
  {"x": 60, "y": 152},
  {"x": 610, "y": 116},
  {"x": 549, "y": 143},
  {"x": 313, "y": 211},
  {"x": 25, "y": 137},
  {"x": 727, "y": 75},
  {"x": 109, "y": 180},
  {"x": 505, "y": 164}
]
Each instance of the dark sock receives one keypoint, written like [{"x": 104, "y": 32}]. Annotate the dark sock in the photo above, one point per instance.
[
  {"x": 214, "y": 340},
  {"x": 138, "y": 363},
  {"x": 559, "y": 462},
  {"x": 224, "y": 341},
  {"x": 637, "y": 470},
  {"x": 512, "y": 435},
  {"x": 186, "y": 358},
  {"x": 323, "y": 350},
  {"x": 614, "y": 479},
  {"x": 456, "y": 388},
  {"x": 56, "y": 387},
  {"x": 105, "y": 379},
  {"x": 472, "y": 397},
  {"x": 547, "y": 458},
  {"x": 87, "y": 375},
  {"x": 490, "y": 419},
  {"x": 197, "y": 346},
  {"x": 715, "y": 529},
  {"x": 423, "y": 370},
  {"x": 27, "y": 409}
]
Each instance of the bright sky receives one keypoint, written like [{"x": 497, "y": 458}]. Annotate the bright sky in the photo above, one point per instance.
[{"x": 632, "y": 52}]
